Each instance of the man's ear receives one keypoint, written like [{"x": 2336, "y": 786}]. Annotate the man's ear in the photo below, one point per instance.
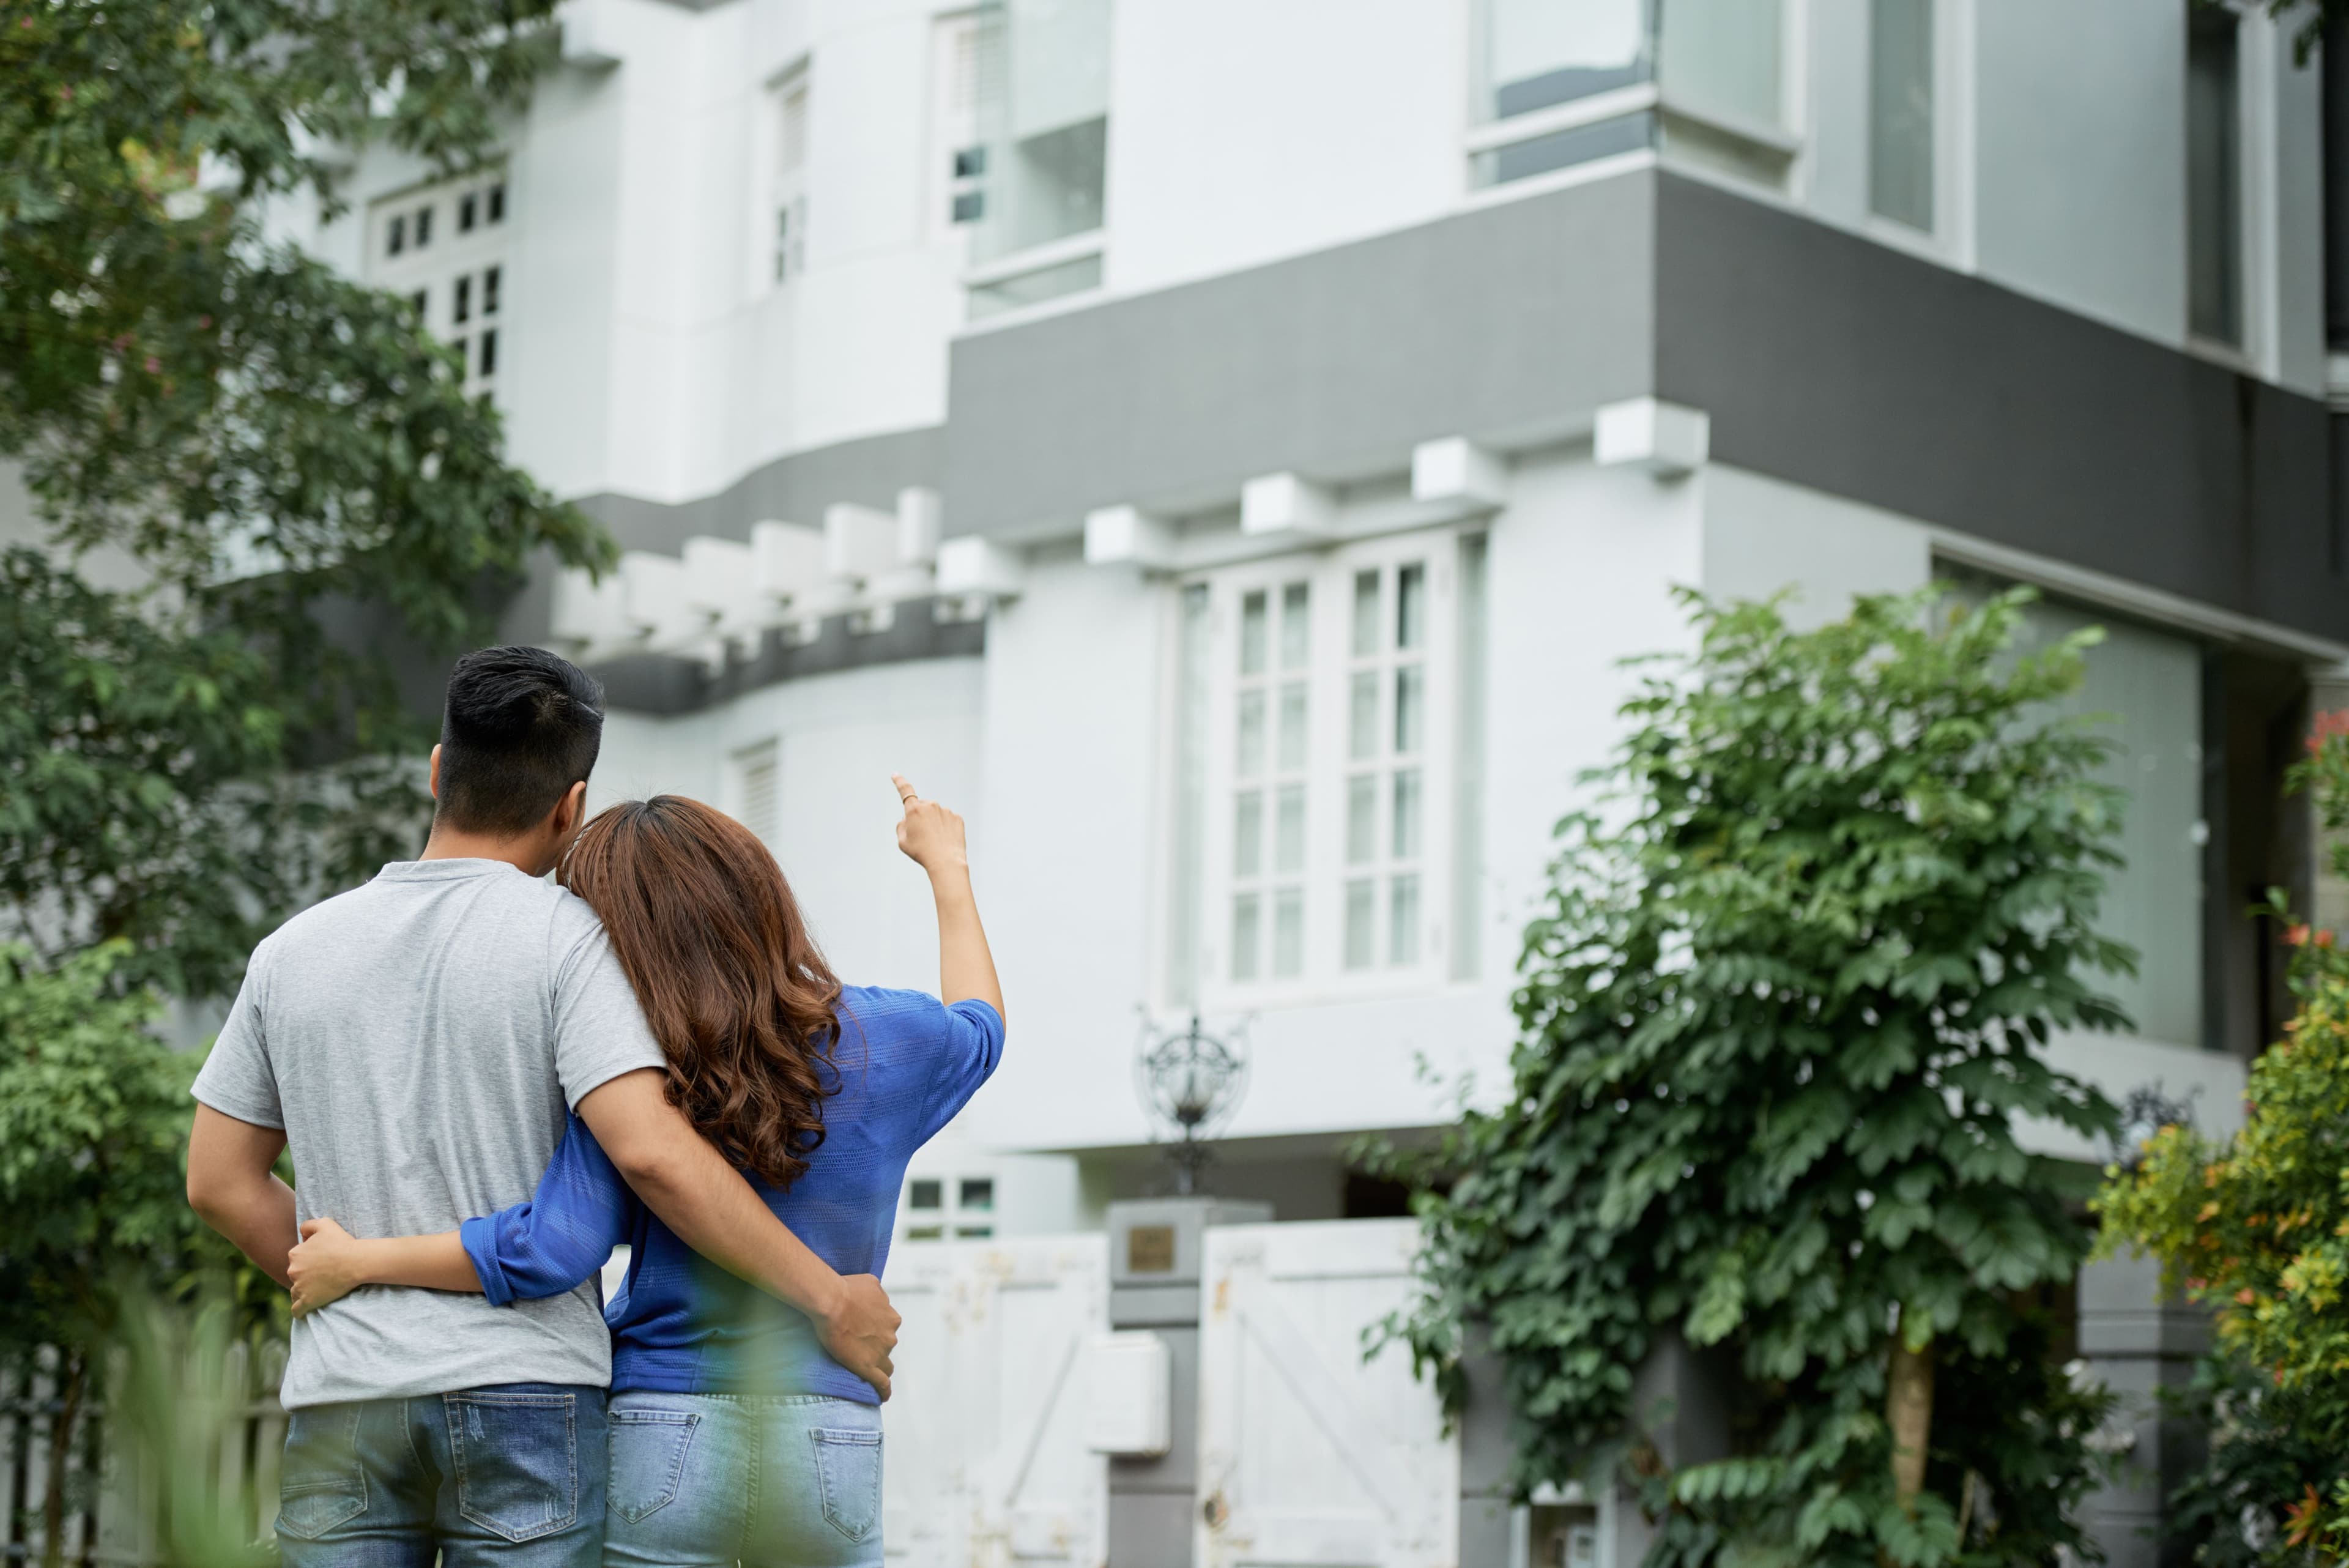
[
  {"x": 432, "y": 776},
  {"x": 571, "y": 810}
]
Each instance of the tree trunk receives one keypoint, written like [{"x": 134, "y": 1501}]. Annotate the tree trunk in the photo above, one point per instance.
[
  {"x": 1909, "y": 1412},
  {"x": 64, "y": 1418}
]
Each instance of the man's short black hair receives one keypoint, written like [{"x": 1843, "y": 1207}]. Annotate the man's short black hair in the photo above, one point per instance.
[{"x": 521, "y": 726}]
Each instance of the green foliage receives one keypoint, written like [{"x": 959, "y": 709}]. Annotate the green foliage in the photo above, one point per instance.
[
  {"x": 281, "y": 460},
  {"x": 2257, "y": 1228},
  {"x": 93, "y": 1127},
  {"x": 177, "y": 1422},
  {"x": 1779, "y": 1021}
]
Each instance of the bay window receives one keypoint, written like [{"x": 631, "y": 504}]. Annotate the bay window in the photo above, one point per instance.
[
  {"x": 1035, "y": 184},
  {"x": 1562, "y": 85}
]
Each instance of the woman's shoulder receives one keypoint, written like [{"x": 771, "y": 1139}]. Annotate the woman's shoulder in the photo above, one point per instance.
[{"x": 884, "y": 1009}]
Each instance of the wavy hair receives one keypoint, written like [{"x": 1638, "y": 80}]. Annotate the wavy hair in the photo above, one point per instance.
[{"x": 732, "y": 985}]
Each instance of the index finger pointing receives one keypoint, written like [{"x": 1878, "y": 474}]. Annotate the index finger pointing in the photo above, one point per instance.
[{"x": 904, "y": 789}]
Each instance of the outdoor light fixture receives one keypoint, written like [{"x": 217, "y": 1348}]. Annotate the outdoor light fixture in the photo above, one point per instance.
[
  {"x": 2145, "y": 1113},
  {"x": 1190, "y": 1081}
]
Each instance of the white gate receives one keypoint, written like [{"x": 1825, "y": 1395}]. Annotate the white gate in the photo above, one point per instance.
[
  {"x": 987, "y": 1464},
  {"x": 1308, "y": 1454}
]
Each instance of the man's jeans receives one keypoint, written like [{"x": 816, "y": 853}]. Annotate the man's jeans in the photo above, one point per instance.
[{"x": 511, "y": 1475}]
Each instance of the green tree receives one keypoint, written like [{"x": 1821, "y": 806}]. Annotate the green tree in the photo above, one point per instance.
[
  {"x": 2256, "y": 1228},
  {"x": 1779, "y": 1020},
  {"x": 290, "y": 465}
]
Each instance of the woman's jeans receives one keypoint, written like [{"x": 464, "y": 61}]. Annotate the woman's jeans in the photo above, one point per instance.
[
  {"x": 510, "y": 1477},
  {"x": 767, "y": 1480}
]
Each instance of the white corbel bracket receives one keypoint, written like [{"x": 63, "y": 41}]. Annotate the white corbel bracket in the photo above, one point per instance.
[
  {"x": 1127, "y": 536},
  {"x": 1287, "y": 503},
  {"x": 974, "y": 576},
  {"x": 1668, "y": 440},
  {"x": 1456, "y": 474}
]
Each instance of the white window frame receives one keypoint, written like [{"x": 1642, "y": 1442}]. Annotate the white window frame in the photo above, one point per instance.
[
  {"x": 955, "y": 86},
  {"x": 745, "y": 786},
  {"x": 435, "y": 270},
  {"x": 1327, "y": 766},
  {"x": 782, "y": 226}
]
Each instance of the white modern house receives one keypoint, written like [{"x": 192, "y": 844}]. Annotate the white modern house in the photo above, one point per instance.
[{"x": 1226, "y": 447}]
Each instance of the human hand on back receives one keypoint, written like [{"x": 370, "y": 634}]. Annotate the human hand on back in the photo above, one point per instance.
[
  {"x": 860, "y": 1330},
  {"x": 930, "y": 834},
  {"x": 325, "y": 1268}
]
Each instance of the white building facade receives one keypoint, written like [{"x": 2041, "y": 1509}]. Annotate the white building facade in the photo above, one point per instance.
[{"x": 1226, "y": 449}]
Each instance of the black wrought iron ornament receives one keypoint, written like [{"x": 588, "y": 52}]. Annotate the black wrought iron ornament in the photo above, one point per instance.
[{"x": 1190, "y": 1081}]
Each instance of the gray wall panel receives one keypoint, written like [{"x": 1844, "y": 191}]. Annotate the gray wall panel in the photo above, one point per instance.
[
  {"x": 796, "y": 488},
  {"x": 1835, "y": 363},
  {"x": 1517, "y": 318}
]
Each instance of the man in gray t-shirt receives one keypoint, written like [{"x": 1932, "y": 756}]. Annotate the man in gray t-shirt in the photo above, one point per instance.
[{"x": 415, "y": 1043}]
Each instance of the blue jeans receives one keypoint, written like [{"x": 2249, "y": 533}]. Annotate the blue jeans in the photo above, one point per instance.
[
  {"x": 511, "y": 1476},
  {"x": 773, "y": 1481}
]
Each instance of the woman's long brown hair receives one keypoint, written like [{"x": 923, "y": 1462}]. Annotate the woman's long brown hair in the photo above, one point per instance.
[{"x": 742, "y": 1003}]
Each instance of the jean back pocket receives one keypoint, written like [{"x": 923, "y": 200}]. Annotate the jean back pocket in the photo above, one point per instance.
[
  {"x": 648, "y": 1449},
  {"x": 848, "y": 1479},
  {"x": 517, "y": 1459},
  {"x": 323, "y": 1481}
]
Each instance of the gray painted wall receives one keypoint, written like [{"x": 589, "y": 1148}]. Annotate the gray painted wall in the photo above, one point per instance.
[
  {"x": 1834, "y": 362},
  {"x": 1513, "y": 321}
]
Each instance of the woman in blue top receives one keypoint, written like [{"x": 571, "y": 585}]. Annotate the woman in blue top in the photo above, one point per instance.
[{"x": 733, "y": 1436}]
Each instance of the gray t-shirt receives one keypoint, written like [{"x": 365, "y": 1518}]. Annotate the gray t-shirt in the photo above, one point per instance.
[{"x": 418, "y": 1039}]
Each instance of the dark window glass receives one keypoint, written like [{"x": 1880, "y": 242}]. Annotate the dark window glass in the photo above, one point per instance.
[
  {"x": 396, "y": 238},
  {"x": 465, "y": 213},
  {"x": 969, "y": 206},
  {"x": 460, "y": 308},
  {"x": 423, "y": 227},
  {"x": 973, "y": 1232},
  {"x": 969, "y": 162},
  {"x": 498, "y": 203},
  {"x": 489, "y": 292},
  {"x": 489, "y": 352},
  {"x": 977, "y": 1192},
  {"x": 419, "y": 300},
  {"x": 926, "y": 1193},
  {"x": 2214, "y": 256},
  {"x": 463, "y": 349}
]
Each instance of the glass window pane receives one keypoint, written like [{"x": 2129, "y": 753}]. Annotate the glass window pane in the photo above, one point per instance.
[
  {"x": 1363, "y": 717},
  {"x": 1252, "y": 633},
  {"x": 1250, "y": 759},
  {"x": 1244, "y": 921},
  {"x": 1292, "y": 726},
  {"x": 1721, "y": 57},
  {"x": 977, "y": 1192},
  {"x": 2213, "y": 174},
  {"x": 1361, "y": 925},
  {"x": 1402, "y": 920},
  {"x": 925, "y": 1192},
  {"x": 1543, "y": 52},
  {"x": 1564, "y": 148},
  {"x": 1247, "y": 834},
  {"x": 1296, "y": 627},
  {"x": 1901, "y": 111},
  {"x": 1411, "y": 606},
  {"x": 1406, "y": 814},
  {"x": 1411, "y": 705},
  {"x": 1288, "y": 830},
  {"x": 1366, "y": 613},
  {"x": 1289, "y": 933},
  {"x": 1361, "y": 818}
]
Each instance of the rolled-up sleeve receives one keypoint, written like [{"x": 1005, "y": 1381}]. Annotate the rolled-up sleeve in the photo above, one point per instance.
[
  {"x": 966, "y": 1043},
  {"x": 563, "y": 1234}
]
